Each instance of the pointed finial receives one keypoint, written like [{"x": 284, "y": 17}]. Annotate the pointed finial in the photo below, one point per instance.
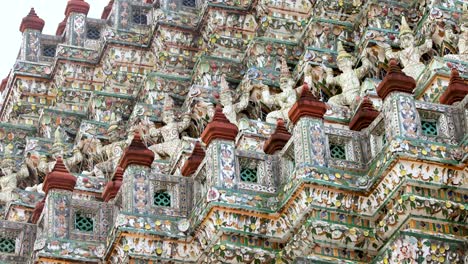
[
  {"x": 61, "y": 27},
  {"x": 107, "y": 10},
  {"x": 364, "y": 115},
  {"x": 76, "y": 6},
  {"x": 456, "y": 90},
  {"x": 404, "y": 27},
  {"x": 278, "y": 139},
  {"x": 219, "y": 128},
  {"x": 59, "y": 178},
  {"x": 285, "y": 69},
  {"x": 307, "y": 105},
  {"x": 137, "y": 154},
  {"x": 395, "y": 80},
  {"x": 195, "y": 159},
  {"x": 32, "y": 21}
]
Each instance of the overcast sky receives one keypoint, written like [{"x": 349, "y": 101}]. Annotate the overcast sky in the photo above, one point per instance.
[{"x": 13, "y": 11}]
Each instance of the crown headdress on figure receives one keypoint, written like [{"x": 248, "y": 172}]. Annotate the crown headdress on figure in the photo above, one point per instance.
[
  {"x": 342, "y": 53},
  {"x": 285, "y": 69},
  {"x": 168, "y": 103},
  {"x": 224, "y": 85},
  {"x": 404, "y": 28}
]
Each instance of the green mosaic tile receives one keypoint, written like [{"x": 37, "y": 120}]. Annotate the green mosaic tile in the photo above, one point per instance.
[
  {"x": 7, "y": 245},
  {"x": 248, "y": 175},
  {"x": 429, "y": 127},
  {"x": 162, "y": 198},
  {"x": 84, "y": 223},
  {"x": 337, "y": 151}
]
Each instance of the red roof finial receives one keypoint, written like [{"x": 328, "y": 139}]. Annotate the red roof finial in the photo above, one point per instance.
[
  {"x": 32, "y": 21},
  {"x": 192, "y": 163},
  {"x": 107, "y": 10},
  {"x": 3, "y": 84},
  {"x": 395, "y": 80},
  {"x": 278, "y": 139},
  {"x": 456, "y": 90},
  {"x": 61, "y": 27},
  {"x": 113, "y": 187},
  {"x": 307, "y": 105},
  {"x": 76, "y": 6},
  {"x": 37, "y": 211},
  {"x": 59, "y": 178},
  {"x": 118, "y": 175},
  {"x": 219, "y": 128},
  {"x": 364, "y": 116},
  {"x": 137, "y": 153}
]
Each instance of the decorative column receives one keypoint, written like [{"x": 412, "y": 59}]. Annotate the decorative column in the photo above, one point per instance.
[
  {"x": 400, "y": 115},
  {"x": 219, "y": 136},
  {"x": 136, "y": 164},
  {"x": 31, "y": 27},
  {"x": 278, "y": 139},
  {"x": 309, "y": 136},
  {"x": 456, "y": 90},
  {"x": 192, "y": 163},
  {"x": 76, "y": 12},
  {"x": 58, "y": 187}
]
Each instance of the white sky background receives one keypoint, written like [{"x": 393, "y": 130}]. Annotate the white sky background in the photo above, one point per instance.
[{"x": 13, "y": 11}]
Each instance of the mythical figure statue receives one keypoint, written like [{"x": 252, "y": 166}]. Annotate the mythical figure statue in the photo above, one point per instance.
[
  {"x": 349, "y": 80},
  {"x": 170, "y": 132},
  {"x": 284, "y": 100},
  {"x": 10, "y": 178},
  {"x": 411, "y": 54},
  {"x": 462, "y": 44},
  {"x": 109, "y": 154},
  {"x": 231, "y": 109}
]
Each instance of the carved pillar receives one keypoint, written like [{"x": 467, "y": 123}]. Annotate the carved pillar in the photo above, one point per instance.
[
  {"x": 136, "y": 164},
  {"x": 400, "y": 115},
  {"x": 308, "y": 133},
  {"x": 219, "y": 136},
  {"x": 58, "y": 186},
  {"x": 31, "y": 27},
  {"x": 76, "y": 12}
]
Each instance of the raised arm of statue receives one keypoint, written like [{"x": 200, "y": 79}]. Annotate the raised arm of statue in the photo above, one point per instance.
[
  {"x": 243, "y": 102},
  {"x": 364, "y": 69},
  {"x": 389, "y": 54},
  {"x": 426, "y": 46},
  {"x": 185, "y": 123},
  {"x": 154, "y": 132},
  {"x": 267, "y": 98},
  {"x": 329, "y": 78}
]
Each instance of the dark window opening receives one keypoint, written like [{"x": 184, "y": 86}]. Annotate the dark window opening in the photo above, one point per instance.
[
  {"x": 337, "y": 151},
  {"x": 188, "y": 3},
  {"x": 93, "y": 33},
  {"x": 162, "y": 198},
  {"x": 49, "y": 51},
  {"x": 140, "y": 19}
]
